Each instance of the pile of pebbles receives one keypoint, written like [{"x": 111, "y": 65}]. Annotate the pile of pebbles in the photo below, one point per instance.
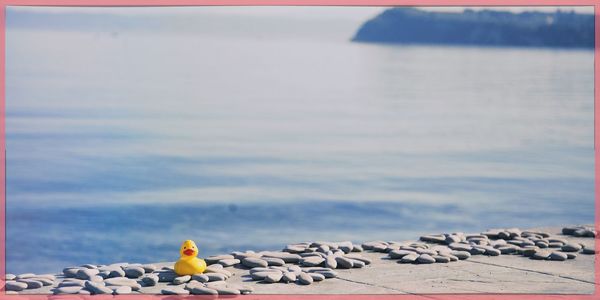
[
  {"x": 579, "y": 231},
  {"x": 17, "y": 283},
  {"x": 451, "y": 247},
  {"x": 302, "y": 263}
]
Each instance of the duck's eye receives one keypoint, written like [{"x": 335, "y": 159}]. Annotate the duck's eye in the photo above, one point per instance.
[{"x": 184, "y": 247}]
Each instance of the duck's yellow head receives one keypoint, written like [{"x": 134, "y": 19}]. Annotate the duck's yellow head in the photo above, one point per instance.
[{"x": 188, "y": 249}]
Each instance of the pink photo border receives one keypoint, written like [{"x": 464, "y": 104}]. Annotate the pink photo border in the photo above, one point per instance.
[{"x": 5, "y": 3}]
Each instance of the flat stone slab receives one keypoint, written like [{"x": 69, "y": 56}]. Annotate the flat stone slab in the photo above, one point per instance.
[{"x": 478, "y": 274}]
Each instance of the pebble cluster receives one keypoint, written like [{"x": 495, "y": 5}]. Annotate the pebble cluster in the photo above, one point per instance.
[
  {"x": 450, "y": 247},
  {"x": 304, "y": 263}
]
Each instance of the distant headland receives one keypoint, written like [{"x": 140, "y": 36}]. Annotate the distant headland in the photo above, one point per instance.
[{"x": 406, "y": 25}]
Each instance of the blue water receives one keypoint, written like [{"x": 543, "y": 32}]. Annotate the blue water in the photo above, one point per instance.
[{"x": 244, "y": 135}]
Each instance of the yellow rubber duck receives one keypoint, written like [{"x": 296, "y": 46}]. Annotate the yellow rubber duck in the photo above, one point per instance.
[{"x": 188, "y": 263}]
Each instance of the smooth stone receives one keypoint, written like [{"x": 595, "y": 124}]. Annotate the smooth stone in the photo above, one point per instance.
[
  {"x": 441, "y": 259},
  {"x": 542, "y": 244},
  {"x": 460, "y": 247},
  {"x": 31, "y": 284},
  {"x": 67, "y": 290},
  {"x": 25, "y": 276},
  {"x": 317, "y": 276},
  {"x": 175, "y": 290},
  {"x": 43, "y": 280},
  {"x": 559, "y": 256},
  {"x": 571, "y": 247},
  {"x": 370, "y": 245},
  {"x": 122, "y": 281},
  {"x": 541, "y": 255},
  {"x": 215, "y": 277},
  {"x": 359, "y": 258},
  {"x": 357, "y": 264},
  {"x": 72, "y": 282},
  {"x": 261, "y": 269},
  {"x": 150, "y": 279},
  {"x": 104, "y": 274},
  {"x": 229, "y": 262},
  {"x": 149, "y": 268},
  {"x": 312, "y": 261},
  {"x": 182, "y": 279},
  {"x": 227, "y": 291},
  {"x": 426, "y": 251},
  {"x": 571, "y": 255},
  {"x": 330, "y": 262},
  {"x": 167, "y": 276},
  {"x": 491, "y": 251},
  {"x": 410, "y": 258},
  {"x": 425, "y": 259},
  {"x": 304, "y": 279},
  {"x": 343, "y": 263},
  {"x": 263, "y": 274},
  {"x": 449, "y": 256},
  {"x": 122, "y": 290},
  {"x": 588, "y": 251},
  {"x": 286, "y": 257},
  {"x": 134, "y": 271},
  {"x": 116, "y": 272},
  {"x": 200, "y": 277},
  {"x": 555, "y": 245},
  {"x": 252, "y": 262},
  {"x": 327, "y": 274},
  {"x": 15, "y": 286},
  {"x": 452, "y": 239},
  {"x": 345, "y": 246},
  {"x": 507, "y": 249},
  {"x": 461, "y": 254},
  {"x": 211, "y": 260},
  {"x": 86, "y": 274},
  {"x": 476, "y": 250},
  {"x": 357, "y": 248},
  {"x": 199, "y": 290},
  {"x": 288, "y": 277},
  {"x": 529, "y": 252},
  {"x": 10, "y": 277},
  {"x": 97, "y": 289},
  {"x": 323, "y": 248},
  {"x": 397, "y": 254},
  {"x": 271, "y": 261},
  {"x": 273, "y": 277},
  {"x": 295, "y": 248},
  {"x": 380, "y": 248}
]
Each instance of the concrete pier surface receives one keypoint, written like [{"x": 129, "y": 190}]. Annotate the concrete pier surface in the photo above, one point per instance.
[{"x": 478, "y": 274}]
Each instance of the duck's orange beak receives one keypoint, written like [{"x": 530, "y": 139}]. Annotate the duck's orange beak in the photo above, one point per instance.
[{"x": 188, "y": 252}]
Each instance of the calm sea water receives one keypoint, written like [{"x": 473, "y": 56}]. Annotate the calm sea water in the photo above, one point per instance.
[{"x": 122, "y": 144}]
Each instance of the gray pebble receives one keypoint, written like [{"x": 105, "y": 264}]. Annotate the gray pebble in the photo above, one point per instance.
[
  {"x": 461, "y": 254},
  {"x": 72, "y": 282},
  {"x": 273, "y": 277},
  {"x": 357, "y": 264},
  {"x": 357, "y": 248},
  {"x": 571, "y": 247},
  {"x": 588, "y": 251},
  {"x": 541, "y": 255},
  {"x": 507, "y": 249},
  {"x": 359, "y": 258},
  {"x": 271, "y": 261},
  {"x": 134, "y": 271},
  {"x": 15, "y": 286},
  {"x": 441, "y": 259},
  {"x": 252, "y": 262},
  {"x": 229, "y": 262},
  {"x": 410, "y": 258},
  {"x": 343, "y": 263},
  {"x": 330, "y": 262},
  {"x": 425, "y": 259},
  {"x": 10, "y": 277},
  {"x": 97, "y": 288},
  {"x": 182, "y": 279},
  {"x": 122, "y": 290},
  {"x": 263, "y": 274},
  {"x": 89, "y": 266},
  {"x": 25, "y": 276},
  {"x": 312, "y": 261},
  {"x": 571, "y": 255},
  {"x": 200, "y": 278},
  {"x": 345, "y": 246},
  {"x": 304, "y": 279},
  {"x": 116, "y": 272},
  {"x": 86, "y": 274},
  {"x": 397, "y": 254},
  {"x": 216, "y": 258},
  {"x": 149, "y": 268},
  {"x": 166, "y": 276},
  {"x": 286, "y": 257},
  {"x": 288, "y": 277},
  {"x": 31, "y": 284},
  {"x": 317, "y": 276},
  {"x": 460, "y": 247},
  {"x": 328, "y": 274},
  {"x": 555, "y": 255},
  {"x": 44, "y": 281},
  {"x": 150, "y": 279}
]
